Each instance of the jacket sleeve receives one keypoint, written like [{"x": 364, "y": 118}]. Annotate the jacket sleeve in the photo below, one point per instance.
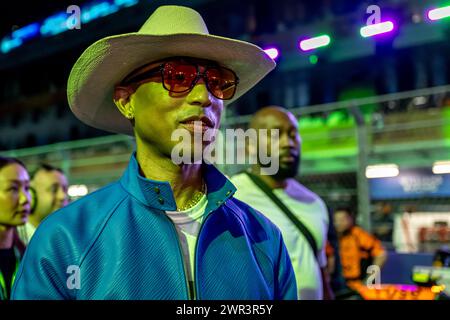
[
  {"x": 46, "y": 269},
  {"x": 370, "y": 243},
  {"x": 286, "y": 288}
]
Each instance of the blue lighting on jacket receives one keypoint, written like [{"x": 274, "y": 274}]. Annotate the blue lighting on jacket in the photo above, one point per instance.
[{"x": 126, "y": 248}]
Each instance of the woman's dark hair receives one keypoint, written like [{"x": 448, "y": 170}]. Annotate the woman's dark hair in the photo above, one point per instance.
[{"x": 4, "y": 161}]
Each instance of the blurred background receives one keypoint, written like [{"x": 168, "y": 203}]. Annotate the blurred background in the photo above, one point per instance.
[{"x": 373, "y": 110}]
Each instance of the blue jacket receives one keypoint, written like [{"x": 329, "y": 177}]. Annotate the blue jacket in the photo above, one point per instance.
[{"x": 119, "y": 244}]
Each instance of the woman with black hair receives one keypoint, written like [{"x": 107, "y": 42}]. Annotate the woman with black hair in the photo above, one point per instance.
[{"x": 14, "y": 210}]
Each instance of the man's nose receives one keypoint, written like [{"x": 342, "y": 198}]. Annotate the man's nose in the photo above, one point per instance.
[
  {"x": 61, "y": 195},
  {"x": 200, "y": 94},
  {"x": 24, "y": 197}
]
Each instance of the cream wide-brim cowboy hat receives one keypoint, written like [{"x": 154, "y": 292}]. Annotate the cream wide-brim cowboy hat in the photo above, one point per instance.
[{"x": 169, "y": 31}]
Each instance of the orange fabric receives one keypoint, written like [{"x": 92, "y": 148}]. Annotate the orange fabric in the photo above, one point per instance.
[
  {"x": 355, "y": 285},
  {"x": 395, "y": 292},
  {"x": 354, "y": 246}
]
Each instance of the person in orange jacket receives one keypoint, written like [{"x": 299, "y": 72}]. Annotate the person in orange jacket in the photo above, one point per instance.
[{"x": 358, "y": 249}]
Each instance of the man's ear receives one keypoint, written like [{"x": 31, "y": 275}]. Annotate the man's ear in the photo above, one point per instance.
[{"x": 122, "y": 98}]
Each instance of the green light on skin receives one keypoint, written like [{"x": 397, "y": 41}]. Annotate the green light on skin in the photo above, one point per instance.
[{"x": 313, "y": 59}]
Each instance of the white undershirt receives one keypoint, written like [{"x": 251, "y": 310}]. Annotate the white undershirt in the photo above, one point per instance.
[
  {"x": 25, "y": 232},
  {"x": 187, "y": 224}
]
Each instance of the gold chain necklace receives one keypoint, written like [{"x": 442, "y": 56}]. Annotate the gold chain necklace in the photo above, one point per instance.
[{"x": 194, "y": 200}]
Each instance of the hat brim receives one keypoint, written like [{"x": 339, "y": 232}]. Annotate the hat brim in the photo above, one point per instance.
[{"x": 106, "y": 62}]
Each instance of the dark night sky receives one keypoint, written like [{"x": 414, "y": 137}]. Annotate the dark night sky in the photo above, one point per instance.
[{"x": 20, "y": 13}]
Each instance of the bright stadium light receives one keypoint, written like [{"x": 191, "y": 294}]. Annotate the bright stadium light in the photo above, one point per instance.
[
  {"x": 77, "y": 190},
  {"x": 439, "y": 13},
  {"x": 441, "y": 167},
  {"x": 376, "y": 29},
  {"x": 382, "y": 171},
  {"x": 27, "y": 32},
  {"x": 273, "y": 53},
  {"x": 314, "y": 43},
  {"x": 7, "y": 44}
]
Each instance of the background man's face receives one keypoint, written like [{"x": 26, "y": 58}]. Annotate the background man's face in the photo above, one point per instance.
[
  {"x": 51, "y": 191},
  {"x": 342, "y": 221},
  {"x": 289, "y": 142},
  {"x": 14, "y": 195},
  {"x": 158, "y": 112}
]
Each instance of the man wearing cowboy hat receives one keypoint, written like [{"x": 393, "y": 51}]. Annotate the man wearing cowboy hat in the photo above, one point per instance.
[{"x": 163, "y": 231}]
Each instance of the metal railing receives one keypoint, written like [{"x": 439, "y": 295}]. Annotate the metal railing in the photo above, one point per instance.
[{"x": 399, "y": 130}]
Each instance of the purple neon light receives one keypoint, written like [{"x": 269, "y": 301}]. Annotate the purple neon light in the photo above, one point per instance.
[{"x": 407, "y": 287}]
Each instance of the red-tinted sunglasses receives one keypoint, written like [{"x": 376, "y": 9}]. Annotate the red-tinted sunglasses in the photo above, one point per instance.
[{"x": 180, "y": 76}]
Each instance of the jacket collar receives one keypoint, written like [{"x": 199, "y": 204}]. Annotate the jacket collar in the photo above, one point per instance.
[{"x": 158, "y": 194}]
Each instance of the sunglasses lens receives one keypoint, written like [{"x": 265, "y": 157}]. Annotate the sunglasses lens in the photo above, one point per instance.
[
  {"x": 178, "y": 76},
  {"x": 221, "y": 82}
]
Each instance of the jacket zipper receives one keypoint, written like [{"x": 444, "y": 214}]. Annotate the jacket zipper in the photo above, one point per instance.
[
  {"x": 180, "y": 250},
  {"x": 186, "y": 281},
  {"x": 195, "y": 255}
]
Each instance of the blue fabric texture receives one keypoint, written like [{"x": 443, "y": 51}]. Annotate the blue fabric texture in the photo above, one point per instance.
[{"x": 123, "y": 246}]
